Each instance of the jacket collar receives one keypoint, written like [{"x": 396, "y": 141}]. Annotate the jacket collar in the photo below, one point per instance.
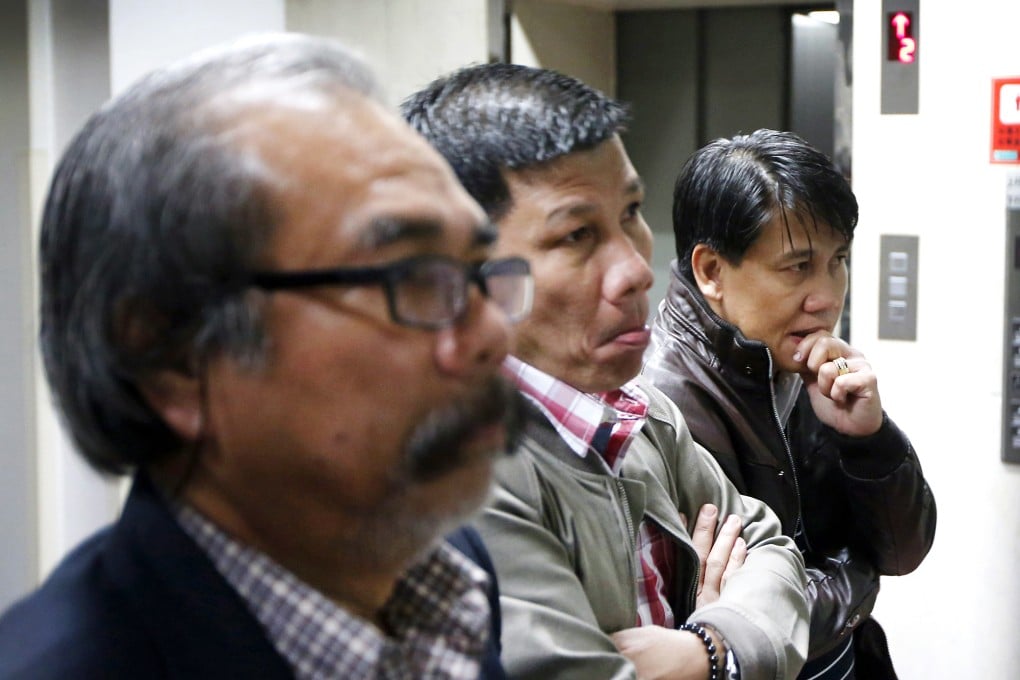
[
  {"x": 684, "y": 311},
  {"x": 198, "y": 622}
]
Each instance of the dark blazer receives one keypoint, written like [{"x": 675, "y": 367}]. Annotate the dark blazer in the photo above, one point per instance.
[{"x": 139, "y": 599}]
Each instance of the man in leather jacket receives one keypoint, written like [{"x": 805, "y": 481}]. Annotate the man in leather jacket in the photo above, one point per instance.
[{"x": 744, "y": 345}]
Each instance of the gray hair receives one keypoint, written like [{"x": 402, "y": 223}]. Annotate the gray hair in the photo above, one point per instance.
[
  {"x": 153, "y": 221},
  {"x": 489, "y": 118}
]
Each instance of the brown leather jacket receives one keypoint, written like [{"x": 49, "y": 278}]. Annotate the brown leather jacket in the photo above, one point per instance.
[{"x": 858, "y": 507}]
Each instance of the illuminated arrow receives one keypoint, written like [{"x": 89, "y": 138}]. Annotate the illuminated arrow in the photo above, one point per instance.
[{"x": 901, "y": 21}]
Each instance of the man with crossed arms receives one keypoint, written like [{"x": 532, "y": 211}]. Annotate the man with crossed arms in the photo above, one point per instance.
[{"x": 597, "y": 526}]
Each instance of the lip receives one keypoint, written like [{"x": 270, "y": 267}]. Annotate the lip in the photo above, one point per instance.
[
  {"x": 797, "y": 336},
  {"x": 638, "y": 336}
]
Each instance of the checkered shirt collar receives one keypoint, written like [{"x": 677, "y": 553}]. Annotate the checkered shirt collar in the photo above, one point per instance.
[
  {"x": 577, "y": 415},
  {"x": 438, "y": 614}
]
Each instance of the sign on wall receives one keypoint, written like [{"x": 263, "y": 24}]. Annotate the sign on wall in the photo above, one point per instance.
[
  {"x": 1006, "y": 120},
  {"x": 901, "y": 54},
  {"x": 901, "y": 43}
]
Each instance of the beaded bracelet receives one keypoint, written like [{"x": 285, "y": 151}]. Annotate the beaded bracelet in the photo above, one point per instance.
[{"x": 713, "y": 658}]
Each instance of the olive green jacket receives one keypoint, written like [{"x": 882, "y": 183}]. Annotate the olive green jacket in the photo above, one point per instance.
[{"x": 562, "y": 534}]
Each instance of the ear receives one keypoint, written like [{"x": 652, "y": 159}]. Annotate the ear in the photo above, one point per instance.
[
  {"x": 177, "y": 398},
  {"x": 707, "y": 266}
]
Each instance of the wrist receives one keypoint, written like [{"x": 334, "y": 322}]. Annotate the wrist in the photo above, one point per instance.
[
  {"x": 729, "y": 668},
  {"x": 708, "y": 640}
]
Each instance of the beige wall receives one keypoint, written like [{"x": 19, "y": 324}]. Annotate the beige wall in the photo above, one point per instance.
[
  {"x": 408, "y": 42},
  {"x": 577, "y": 41}
]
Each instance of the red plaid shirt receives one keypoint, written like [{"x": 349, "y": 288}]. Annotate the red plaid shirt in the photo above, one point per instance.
[{"x": 606, "y": 423}]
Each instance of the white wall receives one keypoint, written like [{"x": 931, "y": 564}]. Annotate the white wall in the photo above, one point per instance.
[{"x": 928, "y": 175}]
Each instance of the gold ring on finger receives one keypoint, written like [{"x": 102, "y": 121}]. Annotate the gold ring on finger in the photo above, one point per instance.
[{"x": 841, "y": 366}]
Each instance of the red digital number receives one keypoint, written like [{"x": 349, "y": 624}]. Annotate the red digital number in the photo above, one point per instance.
[{"x": 902, "y": 44}]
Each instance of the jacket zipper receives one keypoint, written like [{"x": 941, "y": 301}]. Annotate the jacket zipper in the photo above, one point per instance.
[
  {"x": 630, "y": 537},
  {"x": 799, "y": 528}
]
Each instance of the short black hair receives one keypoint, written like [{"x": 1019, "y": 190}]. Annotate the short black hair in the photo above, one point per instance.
[
  {"x": 153, "y": 220},
  {"x": 486, "y": 119},
  {"x": 731, "y": 188}
]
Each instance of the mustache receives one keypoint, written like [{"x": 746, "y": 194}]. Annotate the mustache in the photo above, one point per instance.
[{"x": 436, "y": 445}]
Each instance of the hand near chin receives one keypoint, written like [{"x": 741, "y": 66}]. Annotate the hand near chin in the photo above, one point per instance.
[{"x": 844, "y": 397}]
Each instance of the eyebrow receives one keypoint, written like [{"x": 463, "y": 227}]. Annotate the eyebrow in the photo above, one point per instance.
[
  {"x": 798, "y": 254},
  {"x": 387, "y": 231},
  {"x": 635, "y": 186}
]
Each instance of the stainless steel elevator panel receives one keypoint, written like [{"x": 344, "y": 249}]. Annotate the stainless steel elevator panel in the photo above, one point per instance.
[{"x": 897, "y": 290}]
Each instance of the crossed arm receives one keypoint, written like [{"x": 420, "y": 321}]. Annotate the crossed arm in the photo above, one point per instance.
[
  {"x": 658, "y": 652},
  {"x": 566, "y": 576}
]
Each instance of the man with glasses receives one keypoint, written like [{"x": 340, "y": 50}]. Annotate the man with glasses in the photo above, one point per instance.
[
  {"x": 271, "y": 301},
  {"x": 617, "y": 540}
]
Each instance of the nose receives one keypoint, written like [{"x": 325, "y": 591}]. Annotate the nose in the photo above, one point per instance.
[
  {"x": 478, "y": 343},
  {"x": 826, "y": 295},
  {"x": 628, "y": 272}
]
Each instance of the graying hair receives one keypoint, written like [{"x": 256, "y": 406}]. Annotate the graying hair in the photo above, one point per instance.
[{"x": 153, "y": 221}]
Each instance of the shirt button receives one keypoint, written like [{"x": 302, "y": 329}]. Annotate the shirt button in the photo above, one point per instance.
[{"x": 780, "y": 474}]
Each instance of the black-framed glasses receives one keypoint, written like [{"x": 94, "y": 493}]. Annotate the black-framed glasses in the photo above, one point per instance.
[{"x": 425, "y": 291}]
